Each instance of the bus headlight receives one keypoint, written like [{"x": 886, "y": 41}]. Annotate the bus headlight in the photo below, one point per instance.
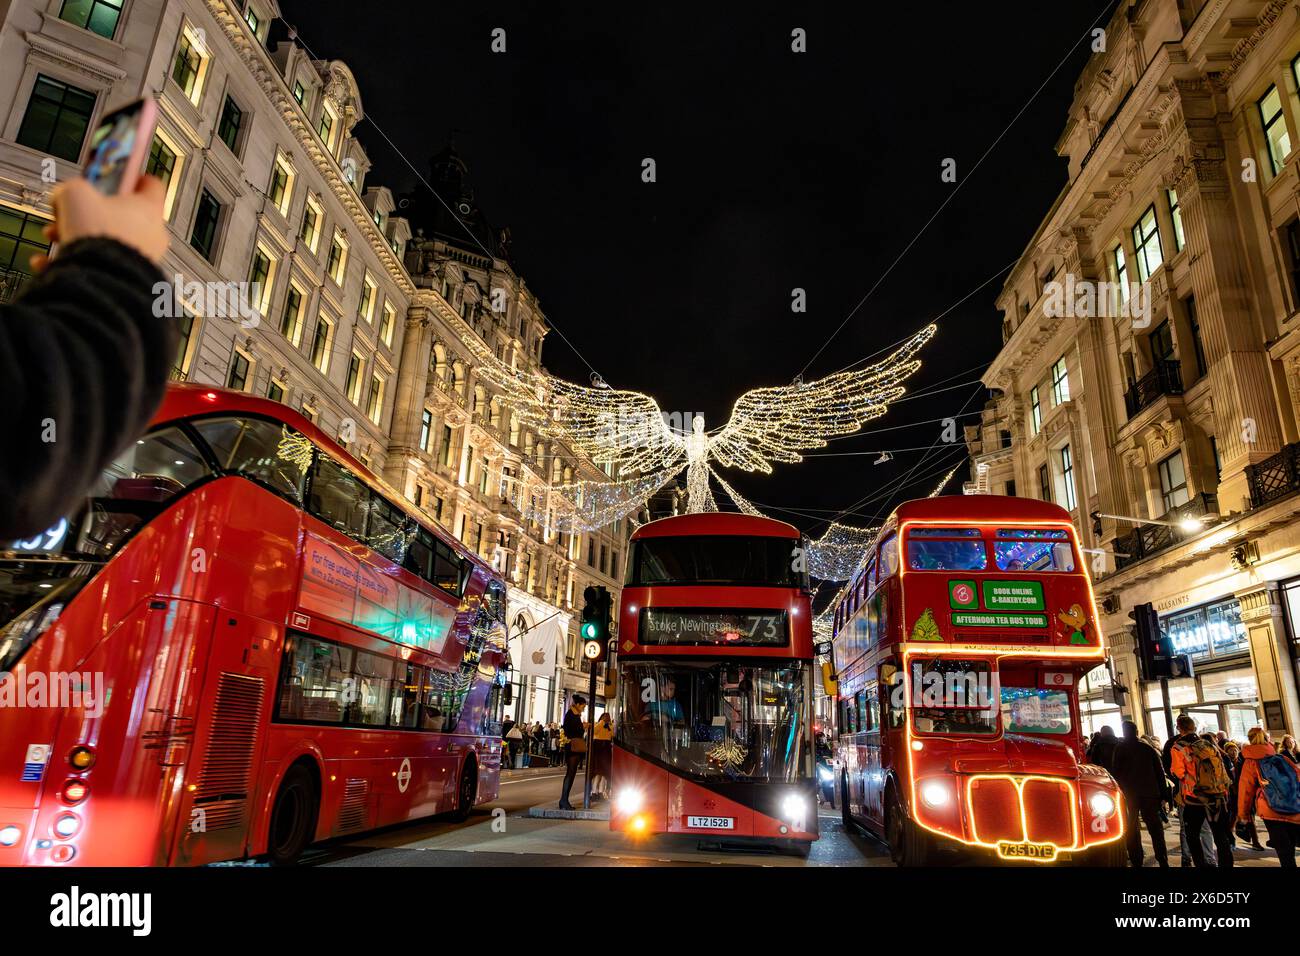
[
  {"x": 1102, "y": 805},
  {"x": 794, "y": 807},
  {"x": 629, "y": 801},
  {"x": 935, "y": 794},
  {"x": 9, "y": 835}
]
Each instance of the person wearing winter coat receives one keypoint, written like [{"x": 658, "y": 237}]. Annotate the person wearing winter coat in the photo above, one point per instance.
[
  {"x": 1270, "y": 787},
  {"x": 1136, "y": 767}
]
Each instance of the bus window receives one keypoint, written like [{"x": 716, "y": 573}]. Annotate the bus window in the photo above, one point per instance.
[
  {"x": 405, "y": 698},
  {"x": 372, "y": 677},
  {"x": 873, "y": 708},
  {"x": 450, "y": 571},
  {"x": 419, "y": 554},
  {"x": 928, "y": 552},
  {"x": 716, "y": 559},
  {"x": 252, "y": 447},
  {"x": 863, "y": 723},
  {"x": 962, "y": 691},
  {"x": 889, "y": 557},
  {"x": 1033, "y": 550},
  {"x": 338, "y": 498},
  {"x": 1033, "y": 710},
  {"x": 314, "y": 675},
  {"x": 891, "y": 695},
  {"x": 871, "y": 576},
  {"x": 388, "y": 530},
  {"x": 851, "y": 716}
]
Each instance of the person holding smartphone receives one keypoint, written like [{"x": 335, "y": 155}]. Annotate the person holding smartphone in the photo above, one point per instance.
[{"x": 84, "y": 359}]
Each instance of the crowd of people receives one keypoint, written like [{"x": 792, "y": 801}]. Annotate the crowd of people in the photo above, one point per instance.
[
  {"x": 1215, "y": 788},
  {"x": 553, "y": 744}
]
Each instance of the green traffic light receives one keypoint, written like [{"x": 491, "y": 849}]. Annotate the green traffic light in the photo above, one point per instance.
[{"x": 590, "y": 629}]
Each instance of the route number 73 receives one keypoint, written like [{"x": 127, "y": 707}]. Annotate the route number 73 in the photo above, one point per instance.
[{"x": 769, "y": 632}]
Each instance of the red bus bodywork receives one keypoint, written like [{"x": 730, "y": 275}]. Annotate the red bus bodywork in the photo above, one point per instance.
[
  {"x": 914, "y": 775},
  {"x": 667, "y": 799},
  {"x": 187, "y": 624}
]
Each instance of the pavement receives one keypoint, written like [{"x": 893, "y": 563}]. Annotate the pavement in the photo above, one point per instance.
[{"x": 504, "y": 834}]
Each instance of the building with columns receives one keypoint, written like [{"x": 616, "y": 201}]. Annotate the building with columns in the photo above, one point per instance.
[
  {"x": 1148, "y": 380},
  {"x": 361, "y": 326}
]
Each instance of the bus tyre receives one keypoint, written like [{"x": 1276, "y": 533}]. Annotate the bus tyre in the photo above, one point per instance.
[
  {"x": 466, "y": 791},
  {"x": 909, "y": 844},
  {"x": 293, "y": 817}
]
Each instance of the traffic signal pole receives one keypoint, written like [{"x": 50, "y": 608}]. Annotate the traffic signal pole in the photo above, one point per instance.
[{"x": 591, "y": 738}]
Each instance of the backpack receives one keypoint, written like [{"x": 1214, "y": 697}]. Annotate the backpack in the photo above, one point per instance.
[
  {"x": 1209, "y": 780},
  {"x": 1280, "y": 784}
]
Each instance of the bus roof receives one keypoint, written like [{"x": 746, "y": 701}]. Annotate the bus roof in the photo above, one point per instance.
[
  {"x": 184, "y": 400},
  {"x": 716, "y": 522},
  {"x": 981, "y": 508}
]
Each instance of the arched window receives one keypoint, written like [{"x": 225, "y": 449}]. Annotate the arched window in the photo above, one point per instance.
[
  {"x": 514, "y": 429},
  {"x": 495, "y": 412},
  {"x": 440, "y": 361},
  {"x": 480, "y": 400}
]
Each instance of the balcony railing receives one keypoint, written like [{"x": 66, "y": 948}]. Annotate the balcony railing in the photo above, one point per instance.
[
  {"x": 1148, "y": 539},
  {"x": 1165, "y": 379},
  {"x": 1275, "y": 477},
  {"x": 11, "y": 283}
]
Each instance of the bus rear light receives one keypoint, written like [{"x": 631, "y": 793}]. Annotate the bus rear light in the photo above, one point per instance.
[
  {"x": 637, "y": 824},
  {"x": 74, "y": 791},
  {"x": 63, "y": 853},
  {"x": 82, "y": 757},
  {"x": 10, "y": 835},
  {"x": 66, "y": 825}
]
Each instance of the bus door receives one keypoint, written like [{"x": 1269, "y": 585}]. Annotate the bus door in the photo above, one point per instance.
[{"x": 229, "y": 740}]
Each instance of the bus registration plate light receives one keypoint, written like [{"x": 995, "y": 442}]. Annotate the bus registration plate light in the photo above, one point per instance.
[{"x": 1039, "y": 852}]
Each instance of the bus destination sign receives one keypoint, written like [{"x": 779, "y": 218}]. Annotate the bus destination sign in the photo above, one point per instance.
[{"x": 712, "y": 628}]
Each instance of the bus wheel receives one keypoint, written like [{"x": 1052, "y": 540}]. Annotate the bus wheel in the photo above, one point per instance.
[
  {"x": 909, "y": 845},
  {"x": 466, "y": 791},
  {"x": 293, "y": 818}
]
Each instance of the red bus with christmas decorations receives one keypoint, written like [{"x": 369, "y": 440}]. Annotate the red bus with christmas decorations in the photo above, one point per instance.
[
  {"x": 713, "y": 728},
  {"x": 958, "y": 649},
  {"x": 260, "y": 645}
]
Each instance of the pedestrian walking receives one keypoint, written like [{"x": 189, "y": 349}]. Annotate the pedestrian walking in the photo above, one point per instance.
[
  {"x": 1102, "y": 747},
  {"x": 1185, "y": 834},
  {"x": 1197, "y": 765},
  {"x": 1290, "y": 749},
  {"x": 1136, "y": 767},
  {"x": 1270, "y": 787},
  {"x": 575, "y": 747}
]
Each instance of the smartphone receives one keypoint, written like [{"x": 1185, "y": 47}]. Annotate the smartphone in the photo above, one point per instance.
[{"x": 119, "y": 146}]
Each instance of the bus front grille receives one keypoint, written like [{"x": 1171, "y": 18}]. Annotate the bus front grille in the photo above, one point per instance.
[{"x": 1010, "y": 809}]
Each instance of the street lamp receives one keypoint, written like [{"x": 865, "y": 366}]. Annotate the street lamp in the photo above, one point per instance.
[{"x": 1189, "y": 524}]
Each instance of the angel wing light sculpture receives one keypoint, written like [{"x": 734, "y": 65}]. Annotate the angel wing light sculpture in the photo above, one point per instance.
[{"x": 628, "y": 433}]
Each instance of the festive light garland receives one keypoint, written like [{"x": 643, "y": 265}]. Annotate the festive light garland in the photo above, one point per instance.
[{"x": 627, "y": 431}]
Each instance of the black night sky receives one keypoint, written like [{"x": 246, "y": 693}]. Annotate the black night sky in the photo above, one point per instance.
[{"x": 776, "y": 170}]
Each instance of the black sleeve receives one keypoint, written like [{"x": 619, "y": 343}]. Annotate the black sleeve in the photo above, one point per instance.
[{"x": 83, "y": 365}]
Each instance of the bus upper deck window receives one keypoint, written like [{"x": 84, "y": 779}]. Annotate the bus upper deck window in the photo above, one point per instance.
[
  {"x": 888, "y": 558},
  {"x": 1033, "y": 549},
  {"x": 946, "y": 549}
]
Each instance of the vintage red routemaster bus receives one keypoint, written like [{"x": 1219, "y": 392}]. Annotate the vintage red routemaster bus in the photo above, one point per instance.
[
  {"x": 244, "y": 642},
  {"x": 959, "y": 646},
  {"x": 713, "y": 729}
]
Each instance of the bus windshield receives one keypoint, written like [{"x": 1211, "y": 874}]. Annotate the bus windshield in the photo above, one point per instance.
[
  {"x": 40, "y": 575},
  {"x": 717, "y": 560},
  {"x": 1033, "y": 549},
  {"x": 946, "y": 549},
  {"x": 718, "y": 721}
]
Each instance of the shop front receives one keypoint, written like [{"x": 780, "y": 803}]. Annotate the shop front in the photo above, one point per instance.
[{"x": 1223, "y": 694}]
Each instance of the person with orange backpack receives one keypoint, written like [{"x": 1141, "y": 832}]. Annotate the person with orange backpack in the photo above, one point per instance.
[
  {"x": 1196, "y": 764},
  {"x": 1270, "y": 787}
]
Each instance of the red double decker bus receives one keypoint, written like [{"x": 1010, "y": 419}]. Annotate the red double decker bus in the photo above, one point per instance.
[
  {"x": 713, "y": 729},
  {"x": 959, "y": 648},
  {"x": 246, "y": 643}
]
